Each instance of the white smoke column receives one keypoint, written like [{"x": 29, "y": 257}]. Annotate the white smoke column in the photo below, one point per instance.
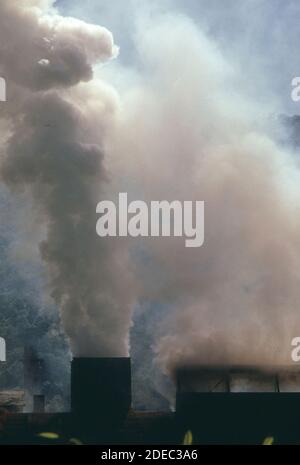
[
  {"x": 189, "y": 134},
  {"x": 54, "y": 149}
]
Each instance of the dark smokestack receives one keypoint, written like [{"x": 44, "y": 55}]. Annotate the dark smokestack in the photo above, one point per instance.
[
  {"x": 34, "y": 370},
  {"x": 100, "y": 390},
  {"x": 39, "y": 403}
]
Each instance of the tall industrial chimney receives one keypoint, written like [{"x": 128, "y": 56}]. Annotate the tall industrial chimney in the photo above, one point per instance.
[{"x": 100, "y": 391}]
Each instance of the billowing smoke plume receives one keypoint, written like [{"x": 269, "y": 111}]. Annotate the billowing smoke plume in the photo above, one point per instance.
[
  {"x": 191, "y": 135},
  {"x": 54, "y": 148},
  {"x": 183, "y": 131}
]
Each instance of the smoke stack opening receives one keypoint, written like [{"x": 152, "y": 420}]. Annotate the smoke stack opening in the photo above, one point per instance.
[{"x": 100, "y": 391}]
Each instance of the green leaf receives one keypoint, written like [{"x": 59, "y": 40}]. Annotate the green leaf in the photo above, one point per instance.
[
  {"x": 188, "y": 438},
  {"x": 48, "y": 435},
  {"x": 269, "y": 441},
  {"x": 76, "y": 442}
]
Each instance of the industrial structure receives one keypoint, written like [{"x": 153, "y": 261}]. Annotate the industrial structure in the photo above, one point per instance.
[{"x": 220, "y": 405}]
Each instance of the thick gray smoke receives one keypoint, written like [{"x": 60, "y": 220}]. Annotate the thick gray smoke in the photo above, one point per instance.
[
  {"x": 180, "y": 129},
  {"x": 52, "y": 151},
  {"x": 190, "y": 134}
]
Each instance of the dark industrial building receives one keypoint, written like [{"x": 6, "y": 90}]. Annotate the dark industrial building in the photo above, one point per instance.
[{"x": 219, "y": 405}]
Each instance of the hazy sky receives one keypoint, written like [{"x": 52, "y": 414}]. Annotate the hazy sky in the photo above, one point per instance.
[{"x": 260, "y": 36}]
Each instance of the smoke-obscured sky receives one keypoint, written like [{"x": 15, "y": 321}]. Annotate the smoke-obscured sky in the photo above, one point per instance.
[
  {"x": 186, "y": 111},
  {"x": 260, "y": 36}
]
